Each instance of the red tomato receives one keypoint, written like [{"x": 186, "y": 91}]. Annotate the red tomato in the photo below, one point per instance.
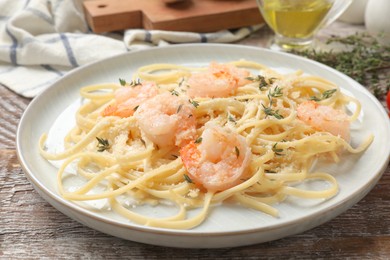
[{"x": 388, "y": 101}]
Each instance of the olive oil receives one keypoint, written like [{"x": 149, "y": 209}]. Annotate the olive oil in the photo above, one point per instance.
[{"x": 295, "y": 18}]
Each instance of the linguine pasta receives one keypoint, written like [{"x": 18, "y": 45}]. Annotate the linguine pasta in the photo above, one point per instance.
[{"x": 278, "y": 150}]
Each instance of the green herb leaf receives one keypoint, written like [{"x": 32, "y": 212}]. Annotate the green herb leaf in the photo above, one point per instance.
[
  {"x": 198, "y": 140},
  {"x": 270, "y": 112},
  {"x": 132, "y": 83},
  {"x": 179, "y": 108},
  {"x": 325, "y": 95},
  {"x": 194, "y": 103},
  {"x": 263, "y": 82},
  {"x": 232, "y": 119},
  {"x": 102, "y": 144},
  {"x": 277, "y": 92},
  {"x": 181, "y": 82},
  {"x": 277, "y": 151},
  {"x": 237, "y": 151},
  {"x": 187, "y": 178},
  {"x": 136, "y": 82},
  {"x": 122, "y": 82}
]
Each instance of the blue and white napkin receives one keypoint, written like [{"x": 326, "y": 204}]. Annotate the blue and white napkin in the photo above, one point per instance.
[{"x": 41, "y": 40}]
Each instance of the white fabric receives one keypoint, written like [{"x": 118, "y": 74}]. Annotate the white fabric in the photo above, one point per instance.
[{"x": 41, "y": 40}]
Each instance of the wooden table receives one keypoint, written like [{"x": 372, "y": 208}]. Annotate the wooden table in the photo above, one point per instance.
[{"x": 30, "y": 228}]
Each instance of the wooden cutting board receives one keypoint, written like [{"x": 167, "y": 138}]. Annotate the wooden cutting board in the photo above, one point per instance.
[{"x": 189, "y": 15}]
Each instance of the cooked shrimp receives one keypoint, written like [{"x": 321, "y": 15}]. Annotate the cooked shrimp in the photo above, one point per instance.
[
  {"x": 128, "y": 98},
  {"x": 220, "y": 161},
  {"x": 324, "y": 118},
  {"x": 167, "y": 120},
  {"x": 219, "y": 80}
]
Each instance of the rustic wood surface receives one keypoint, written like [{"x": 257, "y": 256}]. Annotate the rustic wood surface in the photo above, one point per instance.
[{"x": 30, "y": 228}]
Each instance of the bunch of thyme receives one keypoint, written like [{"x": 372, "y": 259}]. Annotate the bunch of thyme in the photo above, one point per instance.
[{"x": 364, "y": 59}]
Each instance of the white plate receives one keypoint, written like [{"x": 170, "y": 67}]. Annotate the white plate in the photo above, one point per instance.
[{"x": 226, "y": 226}]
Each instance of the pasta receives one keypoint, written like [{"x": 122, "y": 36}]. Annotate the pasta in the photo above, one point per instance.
[{"x": 238, "y": 132}]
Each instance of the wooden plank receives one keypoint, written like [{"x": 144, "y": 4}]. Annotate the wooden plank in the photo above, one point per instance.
[
  {"x": 32, "y": 229},
  {"x": 195, "y": 15}
]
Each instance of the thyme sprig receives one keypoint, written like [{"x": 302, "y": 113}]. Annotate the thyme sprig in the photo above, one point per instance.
[
  {"x": 132, "y": 83},
  {"x": 269, "y": 111},
  {"x": 325, "y": 95},
  {"x": 364, "y": 59},
  {"x": 277, "y": 92},
  {"x": 264, "y": 83}
]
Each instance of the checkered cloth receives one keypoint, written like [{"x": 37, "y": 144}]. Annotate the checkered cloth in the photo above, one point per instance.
[{"x": 41, "y": 40}]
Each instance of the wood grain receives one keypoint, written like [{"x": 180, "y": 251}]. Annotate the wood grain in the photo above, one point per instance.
[
  {"x": 32, "y": 229},
  {"x": 195, "y": 16}
]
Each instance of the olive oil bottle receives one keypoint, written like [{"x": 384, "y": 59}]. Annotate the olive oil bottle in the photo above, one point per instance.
[{"x": 295, "y": 18}]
